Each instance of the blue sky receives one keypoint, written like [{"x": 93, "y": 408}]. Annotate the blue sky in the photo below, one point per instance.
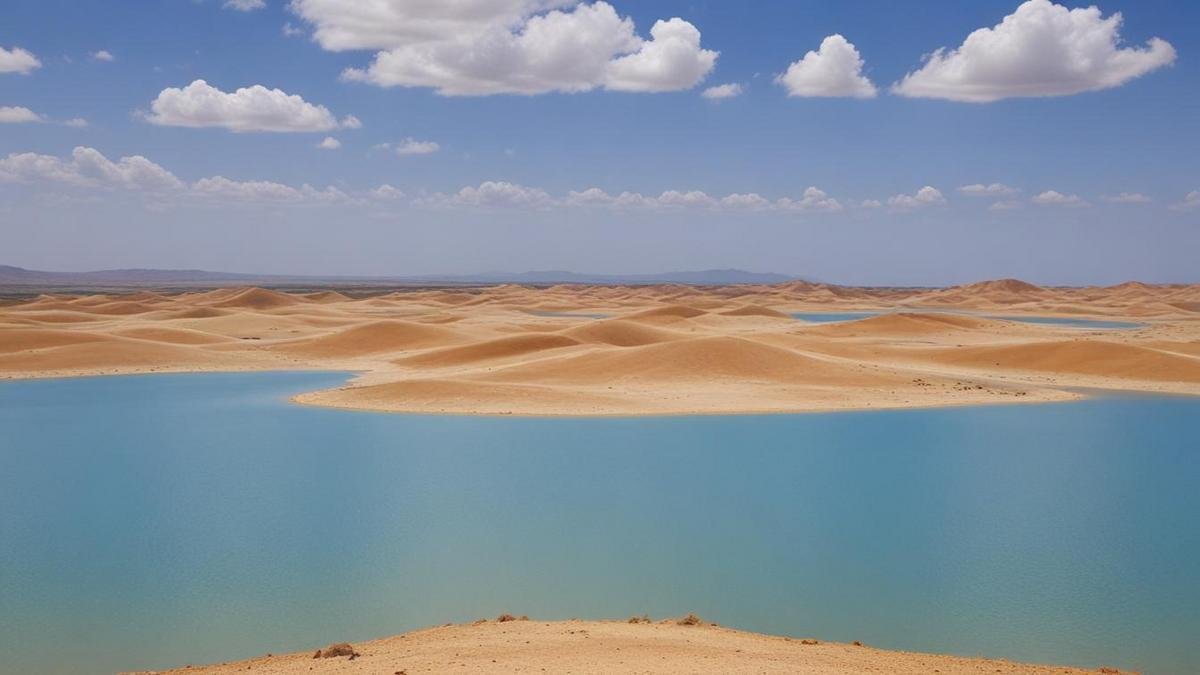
[{"x": 1059, "y": 146}]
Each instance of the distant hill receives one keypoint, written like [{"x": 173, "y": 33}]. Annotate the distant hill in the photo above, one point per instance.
[{"x": 10, "y": 275}]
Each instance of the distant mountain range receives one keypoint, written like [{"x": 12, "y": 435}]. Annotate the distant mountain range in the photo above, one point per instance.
[{"x": 149, "y": 277}]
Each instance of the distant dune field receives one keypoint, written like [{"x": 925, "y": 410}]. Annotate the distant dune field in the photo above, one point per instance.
[{"x": 625, "y": 350}]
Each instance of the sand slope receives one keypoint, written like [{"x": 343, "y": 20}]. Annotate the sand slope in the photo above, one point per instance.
[{"x": 603, "y": 647}]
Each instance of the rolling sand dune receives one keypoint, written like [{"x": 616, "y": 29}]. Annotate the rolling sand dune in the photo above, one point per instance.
[
  {"x": 672, "y": 646},
  {"x": 1083, "y": 357},
  {"x": 491, "y": 350},
  {"x": 666, "y": 349},
  {"x": 375, "y": 338}
]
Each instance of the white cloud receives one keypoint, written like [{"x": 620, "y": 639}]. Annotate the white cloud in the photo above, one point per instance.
[
  {"x": 77, "y": 123},
  {"x": 670, "y": 61},
  {"x": 926, "y": 196},
  {"x": 244, "y": 5},
  {"x": 834, "y": 70},
  {"x": 253, "y": 108},
  {"x": 330, "y": 143},
  {"x": 88, "y": 167},
  {"x": 1041, "y": 49},
  {"x": 103, "y": 55},
  {"x": 1056, "y": 198},
  {"x": 351, "y": 122},
  {"x": 386, "y": 192},
  {"x": 222, "y": 188},
  {"x": 411, "y": 146},
  {"x": 291, "y": 30},
  {"x": 492, "y": 194},
  {"x": 17, "y": 60},
  {"x": 814, "y": 199},
  {"x": 1127, "y": 198},
  {"x": 1190, "y": 201},
  {"x": 751, "y": 200},
  {"x": 990, "y": 190},
  {"x": 17, "y": 114},
  {"x": 722, "y": 91},
  {"x": 870, "y": 204},
  {"x": 1005, "y": 205},
  {"x": 487, "y": 47}
]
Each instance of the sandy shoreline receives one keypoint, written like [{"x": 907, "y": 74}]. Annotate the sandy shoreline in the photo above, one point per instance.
[
  {"x": 662, "y": 350},
  {"x": 669, "y": 646}
]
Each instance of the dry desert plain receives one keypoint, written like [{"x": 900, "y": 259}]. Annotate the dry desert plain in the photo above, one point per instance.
[
  {"x": 627, "y": 350},
  {"x": 610, "y": 350}
]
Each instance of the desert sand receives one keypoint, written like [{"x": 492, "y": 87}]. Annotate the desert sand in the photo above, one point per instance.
[
  {"x": 611, "y": 647},
  {"x": 628, "y": 350}
]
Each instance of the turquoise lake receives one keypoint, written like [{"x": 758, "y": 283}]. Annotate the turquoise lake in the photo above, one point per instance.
[
  {"x": 151, "y": 521},
  {"x": 1069, "y": 322}
]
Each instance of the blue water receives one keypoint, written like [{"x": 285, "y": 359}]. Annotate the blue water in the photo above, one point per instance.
[
  {"x": 837, "y": 317},
  {"x": 158, "y": 520}
]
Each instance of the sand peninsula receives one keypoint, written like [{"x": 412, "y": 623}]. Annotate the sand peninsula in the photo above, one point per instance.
[
  {"x": 638, "y": 645},
  {"x": 631, "y": 350}
]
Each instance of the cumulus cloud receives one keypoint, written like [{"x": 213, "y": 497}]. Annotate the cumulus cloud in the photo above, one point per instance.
[
  {"x": 88, "y": 167},
  {"x": 491, "y": 194},
  {"x": 1005, "y": 205},
  {"x": 386, "y": 192},
  {"x": 103, "y": 55},
  {"x": 487, "y": 47},
  {"x": 17, "y": 115},
  {"x": 1127, "y": 198},
  {"x": 1056, "y": 198},
  {"x": 77, "y": 123},
  {"x": 291, "y": 30},
  {"x": 722, "y": 91},
  {"x": 222, "y": 188},
  {"x": 990, "y": 190},
  {"x": 870, "y": 204},
  {"x": 1190, "y": 201},
  {"x": 411, "y": 146},
  {"x": 17, "y": 60},
  {"x": 926, "y": 196},
  {"x": 1041, "y": 49},
  {"x": 329, "y": 143},
  {"x": 253, "y": 108},
  {"x": 244, "y": 5},
  {"x": 834, "y": 70},
  {"x": 814, "y": 199},
  {"x": 750, "y": 200}
]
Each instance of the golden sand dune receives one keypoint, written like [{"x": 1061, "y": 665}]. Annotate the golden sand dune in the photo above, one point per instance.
[
  {"x": 375, "y": 337},
  {"x": 621, "y": 333},
  {"x": 491, "y": 350},
  {"x": 257, "y": 298},
  {"x": 1082, "y": 357},
  {"x": 671, "y": 647},
  {"x": 908, "y": 324},
  {"x": 668, "y": 348}
]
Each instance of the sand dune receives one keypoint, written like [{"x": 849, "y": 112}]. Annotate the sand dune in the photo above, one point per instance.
[
  {"x": 603, "y": 647},
  {"x": 667, "y": 348},
  {"x": 257, "y": 298},
  {"x": 491, "y": 350},
  {"x": 1084, "y": 357},
  {"x": 907, "y": 324},
  {"x": 375, "y": 338},
  {"x": 621, "y": 333}
]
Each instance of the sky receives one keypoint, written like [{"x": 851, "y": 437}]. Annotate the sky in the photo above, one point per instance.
[{"x": 859, "y": 141}]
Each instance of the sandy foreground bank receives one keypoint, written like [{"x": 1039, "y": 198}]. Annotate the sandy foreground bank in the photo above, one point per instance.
[
  {"x": 587, "y": 350},
  {"x": 612, "y": 647}
]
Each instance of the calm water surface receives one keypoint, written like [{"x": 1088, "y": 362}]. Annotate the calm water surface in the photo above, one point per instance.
[{"x": 159, "y": 520}]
